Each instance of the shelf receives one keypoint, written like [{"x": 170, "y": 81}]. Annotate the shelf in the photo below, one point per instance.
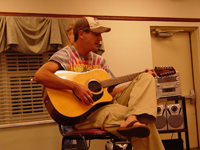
[
  {"x": 172, "y": 98},
  {"x": 172, "y": 131},
  {"x": 176, "y": 99}
]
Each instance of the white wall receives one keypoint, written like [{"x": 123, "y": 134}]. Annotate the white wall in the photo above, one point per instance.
[
  {"x": 128, "y": 47},
  {"x": 38, "y": 137}
]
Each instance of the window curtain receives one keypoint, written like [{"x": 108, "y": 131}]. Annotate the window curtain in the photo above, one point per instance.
[
  {"x": 33, "y": 35},
  {"x": 2, "y": 34}
]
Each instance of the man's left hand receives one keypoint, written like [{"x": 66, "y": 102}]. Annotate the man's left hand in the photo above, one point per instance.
[{"x": 151, "y": 72}]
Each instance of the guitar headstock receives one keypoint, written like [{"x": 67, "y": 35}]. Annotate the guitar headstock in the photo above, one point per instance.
[{"x": 164, "y": 71}]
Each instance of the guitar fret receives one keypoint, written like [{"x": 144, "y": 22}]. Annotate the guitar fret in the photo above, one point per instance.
[{"x": 118, "y": 80}]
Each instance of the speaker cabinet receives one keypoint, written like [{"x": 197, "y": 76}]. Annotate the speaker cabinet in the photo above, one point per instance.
[
  {"x": 175, "y": 118},
  {"x": 161, "y": 123}
]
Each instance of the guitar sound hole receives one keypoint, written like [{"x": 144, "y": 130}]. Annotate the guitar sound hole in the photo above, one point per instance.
[{"x": 94, "y": 86}]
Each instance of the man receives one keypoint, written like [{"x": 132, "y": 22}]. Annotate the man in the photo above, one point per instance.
[{"x": 132, "y": 112}]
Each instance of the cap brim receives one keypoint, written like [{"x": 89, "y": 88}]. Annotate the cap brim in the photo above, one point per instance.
[{"x": 100, "y": 29}]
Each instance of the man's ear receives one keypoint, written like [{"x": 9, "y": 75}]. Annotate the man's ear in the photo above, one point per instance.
[
  {"x": 68, "y": 34},
  {"x": 80, "y": 34}
]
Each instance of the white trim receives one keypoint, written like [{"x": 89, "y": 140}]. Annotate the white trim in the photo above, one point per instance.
[{"x": 26, "y": 124}]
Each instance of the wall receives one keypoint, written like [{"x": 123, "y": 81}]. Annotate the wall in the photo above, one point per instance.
[
  {"x": 38, "y": 137},
  {"x": 128, "y": 47}
]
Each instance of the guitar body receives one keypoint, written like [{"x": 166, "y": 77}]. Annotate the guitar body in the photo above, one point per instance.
[{"x": 63, "y": 105}]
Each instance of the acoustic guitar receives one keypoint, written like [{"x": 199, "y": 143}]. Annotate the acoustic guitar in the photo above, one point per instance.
[{"x": 66, "y": 108}]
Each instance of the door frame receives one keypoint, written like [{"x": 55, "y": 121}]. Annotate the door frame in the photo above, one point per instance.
[
  {"x": 195, "y": 48},
  {"x": 195, "y": 54}
]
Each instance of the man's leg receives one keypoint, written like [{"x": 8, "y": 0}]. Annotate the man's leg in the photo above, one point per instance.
[
  {"x": 153, "y": 142},
  {"x": 140, "y": 98},
  {"x": 142, "y": 106}
]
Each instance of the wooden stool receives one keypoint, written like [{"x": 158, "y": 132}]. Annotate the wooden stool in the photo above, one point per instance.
[{"x": 90, "y": 134}]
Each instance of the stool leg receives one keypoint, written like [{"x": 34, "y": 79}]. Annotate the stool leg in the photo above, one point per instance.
[
  {"x": 121, "y": 144},
  {"x": 84, "y": 142},
  {"x": 109, "y": 145}
]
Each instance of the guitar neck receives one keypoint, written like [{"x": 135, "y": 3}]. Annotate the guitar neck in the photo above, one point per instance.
[{"x": 119, "y": 80}]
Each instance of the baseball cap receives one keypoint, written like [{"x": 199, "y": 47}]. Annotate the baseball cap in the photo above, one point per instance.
[{"x": 91, "y": 24}]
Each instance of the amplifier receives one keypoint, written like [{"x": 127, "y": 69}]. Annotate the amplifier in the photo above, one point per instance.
[{"x": 168, "y": 86}]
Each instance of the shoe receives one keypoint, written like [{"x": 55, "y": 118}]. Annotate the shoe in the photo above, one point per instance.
[{"x": 132, "y": 130}]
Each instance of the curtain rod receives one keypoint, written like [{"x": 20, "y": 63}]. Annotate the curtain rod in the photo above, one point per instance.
[{"x": 100, "y": 17}]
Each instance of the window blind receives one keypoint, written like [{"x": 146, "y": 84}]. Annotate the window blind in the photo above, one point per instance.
[{"x": 20, "y": 97}]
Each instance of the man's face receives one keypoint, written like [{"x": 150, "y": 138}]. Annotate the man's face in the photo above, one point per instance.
[{"x": 92, "y": 41}]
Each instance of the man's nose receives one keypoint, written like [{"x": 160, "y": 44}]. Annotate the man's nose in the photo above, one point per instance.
[{"x": 100, "y": 37}]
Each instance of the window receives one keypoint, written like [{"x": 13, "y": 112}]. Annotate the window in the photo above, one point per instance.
[{"x": 20, "y": 97}]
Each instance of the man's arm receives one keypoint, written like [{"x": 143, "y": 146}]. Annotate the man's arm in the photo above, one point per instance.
[
  {"x": 117, "y": 90},
  {"x": 45, "y": 75}
]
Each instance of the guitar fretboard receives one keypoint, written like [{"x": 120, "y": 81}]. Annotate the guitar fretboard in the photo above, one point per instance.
[{"x": 118, "y": 80}]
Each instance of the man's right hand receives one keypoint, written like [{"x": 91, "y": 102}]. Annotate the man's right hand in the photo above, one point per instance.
[
  {"x": 84, "y": 94},
  {"x": 45, "y": 75}
]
